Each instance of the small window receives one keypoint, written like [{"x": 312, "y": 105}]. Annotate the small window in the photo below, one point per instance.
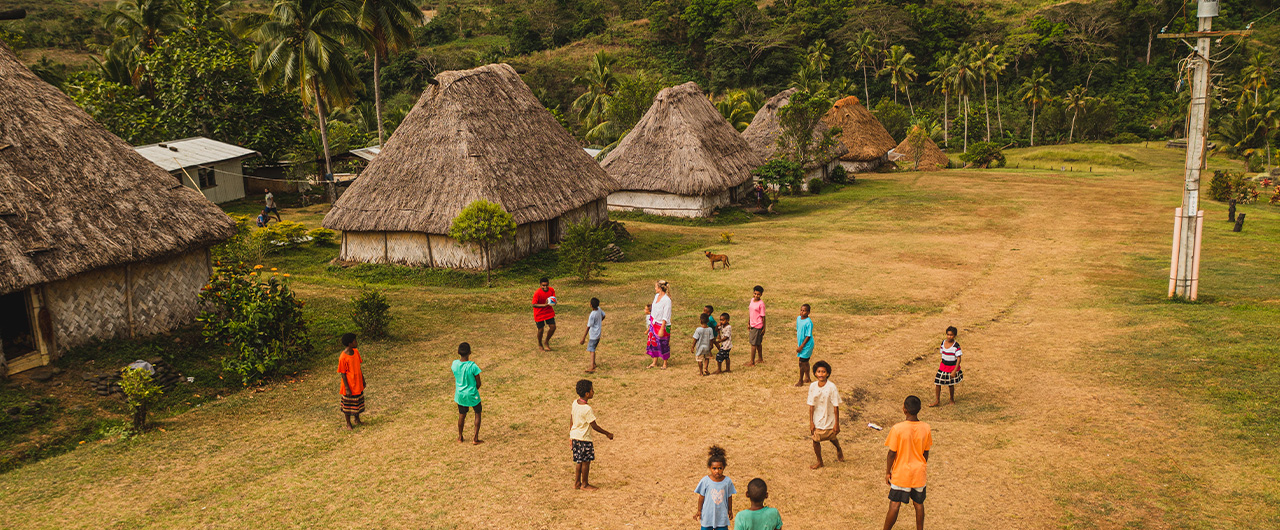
[{"x": 207, "y": 178}]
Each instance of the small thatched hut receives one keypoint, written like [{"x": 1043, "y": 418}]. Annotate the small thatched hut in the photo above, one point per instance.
[
  {"x": 765, "y": 129},
  {"x": 95, "y": 241},
  {"x": 925, "y": 156},
  {"x": 867, "y": 141},
  {"x": 682, "y": 159},
  {"x": 474, "y": 134}
]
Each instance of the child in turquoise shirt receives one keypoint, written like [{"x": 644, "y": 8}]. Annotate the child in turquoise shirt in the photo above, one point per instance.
[
  {"x": 804, "y": 343},
  {"x": 466, "y": 377}
]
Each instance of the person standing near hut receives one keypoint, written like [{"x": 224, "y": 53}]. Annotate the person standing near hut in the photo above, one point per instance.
[
  {"x": 544, "y": 312},
  {"x": 661, "y": 313},
  {"x": 352, "y": 389},
  {"x": 270, "y": 206}
]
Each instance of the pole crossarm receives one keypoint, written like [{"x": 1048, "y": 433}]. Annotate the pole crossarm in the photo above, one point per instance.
[{"x": 1206, "y": 34}]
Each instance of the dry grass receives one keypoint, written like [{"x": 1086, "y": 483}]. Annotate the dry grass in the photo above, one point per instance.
[{"x": 1046, "y": 435}]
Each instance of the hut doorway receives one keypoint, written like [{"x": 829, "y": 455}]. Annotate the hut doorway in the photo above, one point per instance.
[
  {"x": 553, "y": 231},
  {"x": 17, "y": 336}
]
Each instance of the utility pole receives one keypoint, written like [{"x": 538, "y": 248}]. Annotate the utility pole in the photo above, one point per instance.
[{"x": 1188, "y": 226}]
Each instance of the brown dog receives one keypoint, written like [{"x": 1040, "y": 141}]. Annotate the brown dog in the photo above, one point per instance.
[{"x": 717, "y": 258}]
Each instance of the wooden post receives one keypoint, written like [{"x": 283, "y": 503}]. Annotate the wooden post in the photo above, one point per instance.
[
  {"x": 1197, "y": 120},
  {"x": 1239, "y": 223},
  {"x": 128, "y": 297}
]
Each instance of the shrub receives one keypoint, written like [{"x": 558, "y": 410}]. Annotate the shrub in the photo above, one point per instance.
[
  {"x": 726, "y": 238},
  {"x": 839, "y": 175},
  {"x": 322, "y": 237},
  {"x": 141, "y": 392},
  {"x": 371, "y": 312},
  {"x": 1220, "y": 186},
  {"x": 778, "y": 175},
  {"x": 259, "y": 319},
  {"x": 483, "y": 223},
  {"x": 285, "y": 234},
  {"x": 248, "y": 245},
  {"x": 1127, "y": 138},
  {"x": 983, "y": 154},
  {"x": 1226, "y": 186},
  {"x": 816, "y": 185},
  {"x": 583, "y": 248}
]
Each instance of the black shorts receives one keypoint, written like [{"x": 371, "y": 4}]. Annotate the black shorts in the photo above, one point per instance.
[
  {"x": 583, "y": 451},
  {"x": 722, "y": 355},
  {"x": 915, "y": 495},
  {"x": 541, "y": 323},
  {"x": 462, "y": 409}
]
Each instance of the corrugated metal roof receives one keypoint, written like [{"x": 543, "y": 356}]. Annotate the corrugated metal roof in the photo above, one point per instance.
[
  {"x": 367, "y": 153},
  {"x": 191, "y": 152}
]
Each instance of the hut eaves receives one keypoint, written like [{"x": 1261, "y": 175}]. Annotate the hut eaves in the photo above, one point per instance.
[{"x": 860, "y": 132}]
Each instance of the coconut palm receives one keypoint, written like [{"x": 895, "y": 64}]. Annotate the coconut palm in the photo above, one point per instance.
[
  {"x": 942, "y": 82},
  {"x": 600, "y": 84},
  {"x": 819, "y": 58},
  {"x": 985, "y": 62},
  {"x": 389, "y": 24},
  {"x": 899, "y": 65},
  {"x": 997, "y": 67},
  {"x": 142, "y": 23},
  {"x": 864, "y": 49},
  {"x": 1035, "y": 91},
  {"x": 301, "y": 46},
  {"x": 736, "y": 109},
  {"x": 964, "y": 77},
  {"x": 1255, "y": 75},
  {"x": 1076, "y": 101}
]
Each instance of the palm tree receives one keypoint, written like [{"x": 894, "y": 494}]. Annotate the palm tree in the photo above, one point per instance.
[
  {"x": 1255, "y": 75},
  {"x": 1035, "y": 90},
  {"x": 600, "y": 84},
  {"x": 942, "y": 82},
  {"x": 985, "y": 60},
  {"x": 1076, "y": 101},
  {"x": 736, "y": 109},
  {"x": 899, "y": 65},
  {"x": 963, "y": 79},
  {"x": 390, "y": 26},
  {"x": 997, "y": 67},
  {"x": 819, "y": 58},
  {"x": 142, "y": 23},
  {"x": 864, "y": 49},
  {"x": 301, "y": 46}
]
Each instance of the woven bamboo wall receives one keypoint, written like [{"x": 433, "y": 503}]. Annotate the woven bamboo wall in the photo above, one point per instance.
[{"x": 93, "y": 305}]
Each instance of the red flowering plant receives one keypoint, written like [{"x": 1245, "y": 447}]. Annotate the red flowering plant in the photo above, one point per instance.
[{"x": 256, "y": 316}]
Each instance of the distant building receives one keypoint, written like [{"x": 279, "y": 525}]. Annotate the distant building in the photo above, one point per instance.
[
  {"x": 866, "y": 140},
  {"x": 214, "y": 168},
  {"x": 95, "y": 241},
  {"x": 766, "y": 128}
]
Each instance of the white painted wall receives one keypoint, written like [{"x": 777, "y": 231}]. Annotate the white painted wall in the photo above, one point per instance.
[
  {"x": 230, "y": 178},
  {"x": 669, "y": 204}
]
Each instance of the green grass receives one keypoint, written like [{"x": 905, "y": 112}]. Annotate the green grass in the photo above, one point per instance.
[{"x": 730, "y": 215}]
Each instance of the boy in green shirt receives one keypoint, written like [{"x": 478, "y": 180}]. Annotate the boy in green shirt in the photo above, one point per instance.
[
  {"x": 466, "y": 377},
  {"x": 758, "y": 517}
]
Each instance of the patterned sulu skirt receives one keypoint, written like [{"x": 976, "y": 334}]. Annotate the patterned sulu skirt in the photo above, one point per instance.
[
  {"x": 948, "y": 378},
  {"x": 353, "y": 404}
]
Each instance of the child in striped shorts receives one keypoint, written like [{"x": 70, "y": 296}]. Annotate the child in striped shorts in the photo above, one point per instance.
[{"x": 949, "y": 370}]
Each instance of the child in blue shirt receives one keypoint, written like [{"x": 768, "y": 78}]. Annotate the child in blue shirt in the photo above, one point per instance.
[
  {"x": 715, "y": 493},
  {"x": 466, "y": 393},
  {"x": 804, "y": 343}
]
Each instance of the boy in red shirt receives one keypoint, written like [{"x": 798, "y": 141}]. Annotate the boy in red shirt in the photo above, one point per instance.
[
  {"x": 544, "y": 311},
  {"x": 909, "y": 443},
  {"x": 352, "y": 389}
]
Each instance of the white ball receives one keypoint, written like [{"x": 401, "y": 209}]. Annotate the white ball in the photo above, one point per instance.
[{"x": 551, "y": 300}]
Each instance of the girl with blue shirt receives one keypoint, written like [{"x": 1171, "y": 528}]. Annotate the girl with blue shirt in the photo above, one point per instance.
[
  {"x": 804, "y": 343},
  {"x": 715, "y": 493}
]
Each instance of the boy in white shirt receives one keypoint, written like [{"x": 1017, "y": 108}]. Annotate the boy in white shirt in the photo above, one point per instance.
[
  {"x": 724, "y": 343},
  {"x": 824, "y": 412},
  {"x": 582, "y": 422}
]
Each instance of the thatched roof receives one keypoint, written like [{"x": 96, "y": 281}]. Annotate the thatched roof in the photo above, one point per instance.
[
  {"x": 860, "y": 132},
  {"x": 765, "y": 129},
  {"x": 931, "y": 157},
  {"x": 74, "y": 197},
  {"x": 682, "y": 145},
  {"x": 474, "y": 134}
]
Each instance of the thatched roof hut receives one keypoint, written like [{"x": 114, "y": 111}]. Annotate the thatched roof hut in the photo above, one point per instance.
[
  {"x": 867, "y": 141},
  {"x": 682, "y": 158},
  {"x": 926, "y": 156},
  {"x": 474, "y": 134},
  {"x": 765, "y": 129},
  {"x": 95, "y": 240}
]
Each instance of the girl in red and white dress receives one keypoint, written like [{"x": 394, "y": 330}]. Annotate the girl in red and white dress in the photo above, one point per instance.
[{"x": 949, "y": 369}]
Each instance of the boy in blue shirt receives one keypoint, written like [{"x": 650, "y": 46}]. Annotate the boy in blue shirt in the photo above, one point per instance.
[
  {"x": 804, "y": 343},
  {"x": 594, "y": 323},
  {"x": 466, "y": 377}
]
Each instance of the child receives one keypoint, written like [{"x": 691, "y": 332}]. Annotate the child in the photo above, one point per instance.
[
  {"x": 715, "y": 493},
  {"x": 352, "y": 389},
  {"x": 804, "y": 343},
  {"x": 582, "y": 422},
  {"x": 909, "y": 443},
  {"x": 711, "y": 319},
  {"x": 466, "y": 393},
  {"x": 724, "y": 344},
  {"x": 755, "y": 324},
  {"x": 594, "y": 322},
  {"x": 263, "y": 219},
  {"x": 949, "y": 370},
  {"x": 654, "y": 330},
  {"x": 758, "y": 517},
  {"x": 824, "y": 412},
  {"x": 701, "y": 347}
]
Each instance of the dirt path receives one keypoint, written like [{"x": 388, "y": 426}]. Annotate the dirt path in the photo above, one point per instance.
[{"x": 1041, "y": 437}]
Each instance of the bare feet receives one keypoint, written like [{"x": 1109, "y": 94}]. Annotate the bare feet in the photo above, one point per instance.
[
  {"x": 652, "y": 365},
  {"x": 461, "y": 440},
  {"x": 589, "y": 487},
  {"x": 718, "y": 372},
  {"x": 591, "y": 371},
  {"x": 935, "y": 403},
  {"x": 728, "y": 371},
  {"x": 799, "y": 384},
  {"x": 477, "y": 442},
  {"x": 816, "y": 466},
  {"x": 752, "y": 363},
  {"x": 577, "y": 486},
  {"x": 840, "y": 456}
]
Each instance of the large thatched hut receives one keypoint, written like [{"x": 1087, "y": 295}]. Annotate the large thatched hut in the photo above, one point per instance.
[
  {"x": 682, "y": 159},
  {"x": 95, "y": 241},
  {"x": 474, "y": 134},
  {"x": 765, "y": 129},
  {"x": 867, "y": 141},
  {"x": 924, "y": 155}
]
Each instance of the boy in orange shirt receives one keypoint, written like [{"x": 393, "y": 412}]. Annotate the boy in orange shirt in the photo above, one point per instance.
[
  {"x": 352, "y": 389},
  {"x": 909, "y": 443}
]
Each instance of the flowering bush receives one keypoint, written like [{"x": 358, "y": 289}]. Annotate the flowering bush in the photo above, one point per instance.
[{"x": 255, "y": 314}]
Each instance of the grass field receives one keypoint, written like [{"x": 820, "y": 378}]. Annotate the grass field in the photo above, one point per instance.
[{"x": 1090, "y": 401}]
